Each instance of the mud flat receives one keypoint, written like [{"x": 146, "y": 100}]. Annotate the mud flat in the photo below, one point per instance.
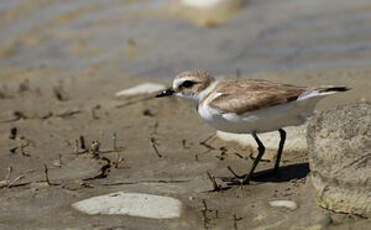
[{"x": 68, "y": 138}]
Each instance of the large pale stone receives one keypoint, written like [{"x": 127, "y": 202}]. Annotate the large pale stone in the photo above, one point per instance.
[
  {"x": 339, "y": 142},
  {"x": 132, "y": 204}
]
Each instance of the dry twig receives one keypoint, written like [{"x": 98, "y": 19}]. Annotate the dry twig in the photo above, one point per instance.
[
  {"x": 17, "y": 115},
  {"x": 114, "y": 142},
  {"x": 118, "y": 161},
  {"x": 235, "y": 220},
  {"x": 46, "y": 175},
  {"x": 216, "y": 187},
  {"x": 93, "y": 112},
  {"x": 7, "y": 183},
  {"x": 154, "y": 146},
  {"x": 205, "y": 218},
  {"x": 82, "y": 142},
  {"x": 58, "y": 163},
  {"x": 204, "y": 142},
  {"x": 13, "y": 133}
]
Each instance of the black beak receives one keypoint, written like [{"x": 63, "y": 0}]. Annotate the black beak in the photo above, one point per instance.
[{"x": 166, "y": 92}]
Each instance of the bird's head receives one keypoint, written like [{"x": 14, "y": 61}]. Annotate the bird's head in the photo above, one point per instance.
[{"x": 189, "y": 85}]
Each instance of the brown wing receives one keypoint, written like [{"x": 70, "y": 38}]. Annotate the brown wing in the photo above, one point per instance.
[{"x": 249, "y": 95}]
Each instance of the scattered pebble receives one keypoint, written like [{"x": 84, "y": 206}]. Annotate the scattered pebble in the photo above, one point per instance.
[
  {"x": 132, "y": 204},
  {"x": 141, "y": 89},
  {"x": 95, "y": 146},
  {"x": 284, "y": 204}
]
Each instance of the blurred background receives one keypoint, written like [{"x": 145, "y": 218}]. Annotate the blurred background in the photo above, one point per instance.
[{"x": 160, "y": 38}]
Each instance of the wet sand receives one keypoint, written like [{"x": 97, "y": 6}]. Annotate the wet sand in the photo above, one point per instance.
[
  {"x": 62, "y": 63},
  {"x": 63, "y": 108}
]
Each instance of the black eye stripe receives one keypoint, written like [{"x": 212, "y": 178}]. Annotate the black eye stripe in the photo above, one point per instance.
[{"x": 187, "y": 84}]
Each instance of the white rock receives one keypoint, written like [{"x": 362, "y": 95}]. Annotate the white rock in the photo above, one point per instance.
[
  {"x": 202, "y": 3},
  {"x": 284, "y": 204},
  {"x": 295, "y": 139},
  {"x": 141, "y": 89},
  {"x": 132, "y": 204}
]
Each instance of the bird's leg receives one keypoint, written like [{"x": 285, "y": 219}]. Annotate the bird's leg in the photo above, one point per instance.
[
  {"x": 261, "y": 150},
  {"x": 279, "y": 153}
]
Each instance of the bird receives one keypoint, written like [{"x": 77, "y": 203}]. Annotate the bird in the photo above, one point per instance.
[{"x": 249, "y": 106}]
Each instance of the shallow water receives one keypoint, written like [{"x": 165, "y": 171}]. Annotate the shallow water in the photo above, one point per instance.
[{"x": 264, "y": 36}]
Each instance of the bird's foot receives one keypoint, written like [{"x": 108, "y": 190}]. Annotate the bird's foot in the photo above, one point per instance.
[{"x": 239, "y": 179}]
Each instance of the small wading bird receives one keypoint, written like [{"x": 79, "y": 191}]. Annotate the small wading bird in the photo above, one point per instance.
[{"x": 248, "y": 106}]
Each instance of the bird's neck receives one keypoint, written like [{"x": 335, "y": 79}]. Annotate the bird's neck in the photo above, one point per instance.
[{"x": 204, "y": 93}]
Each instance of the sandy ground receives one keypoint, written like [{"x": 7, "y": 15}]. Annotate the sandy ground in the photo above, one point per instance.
[
  {"x": 62, "y": 62},
  {"x": 51, "y": 114}
]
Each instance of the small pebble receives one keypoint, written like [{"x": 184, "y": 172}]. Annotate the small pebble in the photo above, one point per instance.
[{"x": 289, "y": 204}]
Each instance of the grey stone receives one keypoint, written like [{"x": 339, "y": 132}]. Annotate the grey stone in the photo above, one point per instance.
[
  {"x": 132, "y": 204},
  {"x": 339, "y": 142}
]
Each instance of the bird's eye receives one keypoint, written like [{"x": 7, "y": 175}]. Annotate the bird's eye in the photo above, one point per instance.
[{"x": 187, "y": 84}]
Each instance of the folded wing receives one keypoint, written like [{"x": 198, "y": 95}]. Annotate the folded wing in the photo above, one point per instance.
[{"x": 250, "y": 95}]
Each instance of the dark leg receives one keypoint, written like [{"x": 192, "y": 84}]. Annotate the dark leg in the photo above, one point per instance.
[
  {"x": 279, "y": 153},
  {"x": 261, "y": 150}
]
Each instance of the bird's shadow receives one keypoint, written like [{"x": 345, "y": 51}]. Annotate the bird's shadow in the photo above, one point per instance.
[{"x": 286, "y": 173}]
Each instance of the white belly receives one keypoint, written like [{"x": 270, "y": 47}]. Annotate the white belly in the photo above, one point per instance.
[{"x": 263, "y": 120}]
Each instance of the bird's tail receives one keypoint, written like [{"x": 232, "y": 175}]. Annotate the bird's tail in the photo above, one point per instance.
[
  {"x": 322, "y": 91},
  {"x": 332, "y": 89}
]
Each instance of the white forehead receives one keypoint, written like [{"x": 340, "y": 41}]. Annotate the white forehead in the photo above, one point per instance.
[{"x": 179, "y": 80}]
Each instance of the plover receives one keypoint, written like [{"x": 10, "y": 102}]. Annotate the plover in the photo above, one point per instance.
[{"x": 249, "y": 106}]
